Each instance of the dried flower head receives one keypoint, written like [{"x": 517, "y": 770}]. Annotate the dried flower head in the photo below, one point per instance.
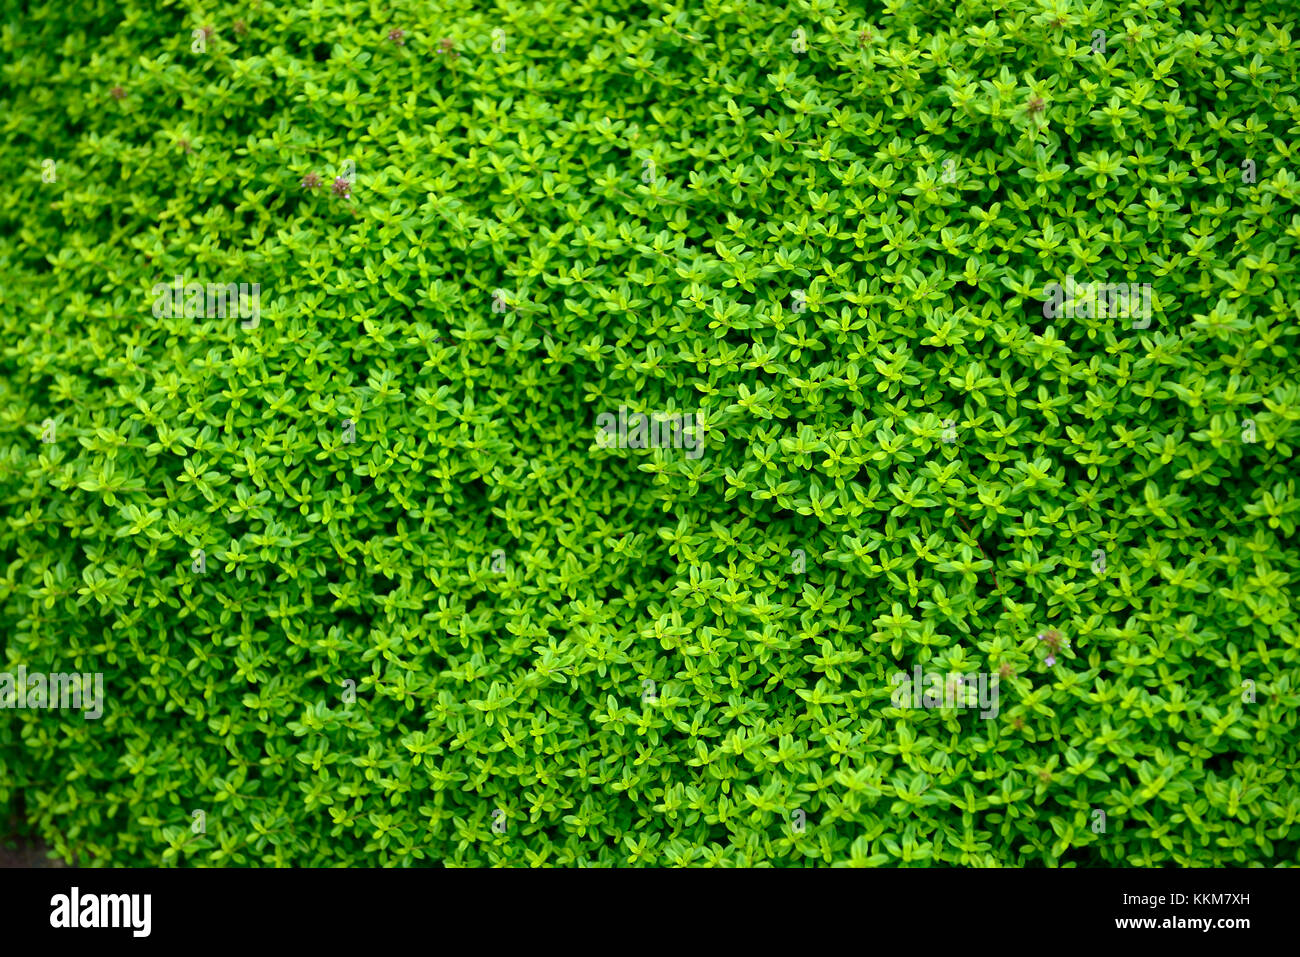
[
  {"x": 241, "y": 27},
  {"x": 117, "y": 92},
  {"x": 311, "y": 181},
  {"x": 342, "y": 188},
  {"x": 397, "y": 36},
  {"x": 446, "y": 45},
  {"x": 1036, "y": 105},
  {"x": 1006, "y": 671},
  {"x": 1053, "y": 639}
]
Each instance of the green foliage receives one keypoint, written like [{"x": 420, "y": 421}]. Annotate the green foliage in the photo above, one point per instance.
[{"x": 432, "y": 639}]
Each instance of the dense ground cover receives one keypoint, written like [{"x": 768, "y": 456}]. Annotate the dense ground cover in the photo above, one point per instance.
[{"x": 366, "y": 584}]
